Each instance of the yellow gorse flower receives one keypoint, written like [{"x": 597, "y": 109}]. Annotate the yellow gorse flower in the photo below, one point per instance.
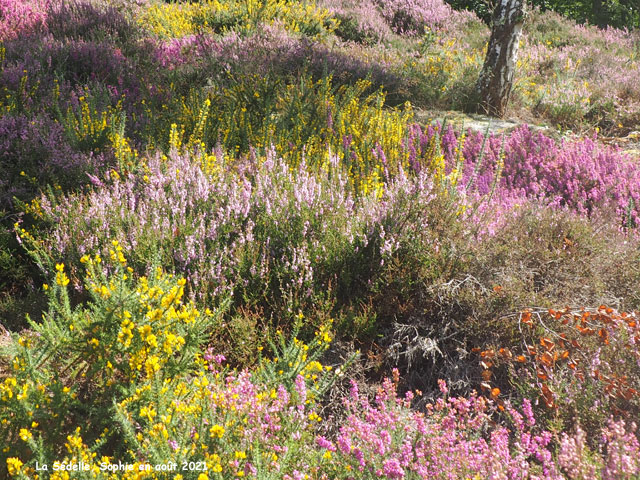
[
  {"x": 14, "y": 466},
  {"x": 61, "y": 277},
  {"x": 216, "y": 431}
]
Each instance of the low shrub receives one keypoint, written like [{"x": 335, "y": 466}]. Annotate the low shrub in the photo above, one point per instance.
[
  {"x": 126, "y": 377},
  {"x": 582, "y": 175},
  {"x": 19, "y": 17},
  {"x": 581, "y": 365},
  {"x": 410, "y": 16},
  {"x": 361, "y": 22},
  {"x": 70, "y": 367},
  {"x": 34, "y": 153},
  {"x": 177, "y": 20}
]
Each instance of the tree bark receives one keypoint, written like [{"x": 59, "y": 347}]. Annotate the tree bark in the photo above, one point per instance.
[{"x": 496, "y": 78}]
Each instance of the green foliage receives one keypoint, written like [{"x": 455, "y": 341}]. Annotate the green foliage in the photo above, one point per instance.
[
  {"x": 615, "y": 13},
  {"x": 88, "y": 122},
  {"x": 125, "y": 377},
  {"x": 300, "y": 117},
  {"x": 18, "y": 293},
  {"x": 482, "y": 8},
  {"x": 70, "y": 367}
]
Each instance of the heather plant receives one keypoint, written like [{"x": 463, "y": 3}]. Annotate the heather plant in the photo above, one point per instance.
[
  {"x": 81, "y": 62},
  {"x": 620, "y": 443},
  {"x": 19, "y": 17},
  {"x": 581, "y": 175},
  {"x": 361, "y": 22},
  {"x": 34, "y": 153},
  {"x": 62, "y": 94},
  {"x": 238, "y": 427},
  {"x": 257, "y": 424},
  {"x": 452, "y": 439},
  {"x": 91, "y": 21},
  {"x": 278, "y": 239},
  {"x": 412, "y": 16},
  {"x": 83, "y": 43},
  {"x": 269, "y": 226},
  {"x": 457, "y": 438},
  {"x": 269, "y": 50}
]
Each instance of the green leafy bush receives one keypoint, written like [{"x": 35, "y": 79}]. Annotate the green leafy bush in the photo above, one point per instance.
[{"x": 71, "y": 366}]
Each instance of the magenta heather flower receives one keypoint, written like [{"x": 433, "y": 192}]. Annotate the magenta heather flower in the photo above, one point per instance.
[
  {"x": 390, "y": 439},
  {"x": 344, "y": 444},
  {"x": 392, "y": 469},
  {"x": 442, "y": 385},
  {"x": 326, "y": 444},
  {"x": 528, "y": 412},
  {"x": 301, "y": 388},
  {"x": 20, "y": 17},
  {"x": 582, "y": 176}
]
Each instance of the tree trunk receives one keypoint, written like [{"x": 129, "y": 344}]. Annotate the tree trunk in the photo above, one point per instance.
[{"x": 496, "y": 79}]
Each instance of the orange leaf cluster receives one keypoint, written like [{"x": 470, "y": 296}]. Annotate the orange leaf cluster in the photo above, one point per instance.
[{"x": 557, "y": 349}]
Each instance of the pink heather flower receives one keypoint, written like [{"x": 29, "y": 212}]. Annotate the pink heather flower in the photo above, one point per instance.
[
  {"x": 301, "y": 388},
  {"x": 385, "y": 437},
  {"x": 249, "y": 469},
  {"x": 344, "y": 444},
  {"x": 623, "y": 451},
  {"x": 219, "y": 359},
  {"x": 443, "y": 386},
  {"x": 392, "y": 468},
  {"x": 324, "y": 443},
  {"x": 95, "y": 180},
  {"x": 354, "y": 391},
  {"x": 528, "y": 412},
  {"x": 516, "y": 417}
]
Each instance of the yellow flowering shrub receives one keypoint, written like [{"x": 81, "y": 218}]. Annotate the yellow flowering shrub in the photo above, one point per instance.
[
  {"x": 198, "y": 421},
  {"x": 87, "y": 125},
  {"x": 176, "y": 20},
  {"x": 73, "y": 364},
  {"x": 229, "y": 424},
  {"x": 305, "y": 120},
  {"x": 169, "y": 20}
]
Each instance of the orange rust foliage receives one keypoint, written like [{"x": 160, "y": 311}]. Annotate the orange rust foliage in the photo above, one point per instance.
[{"x": 546, "y": 359}]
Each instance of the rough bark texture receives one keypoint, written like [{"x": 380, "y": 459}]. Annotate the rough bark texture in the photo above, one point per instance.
[{"x": 496, "y": 79}]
